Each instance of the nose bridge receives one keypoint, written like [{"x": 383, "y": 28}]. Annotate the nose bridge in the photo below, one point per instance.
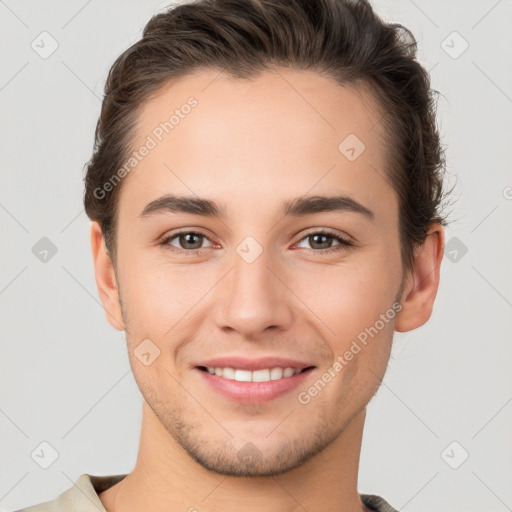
[{"x": 252, "y": 297}]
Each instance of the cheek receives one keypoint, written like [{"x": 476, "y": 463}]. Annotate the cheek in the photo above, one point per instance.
[
  {"x": 349, "y": 298},
  {"x": 158, "y": 296},
  {"x": 358, "y": 310},
  {"x": 354, "y": 304}
]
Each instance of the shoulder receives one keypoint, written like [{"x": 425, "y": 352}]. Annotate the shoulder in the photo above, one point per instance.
[
  {"x": 81, "y": 497},
  {"x": 376, "y": 503}
]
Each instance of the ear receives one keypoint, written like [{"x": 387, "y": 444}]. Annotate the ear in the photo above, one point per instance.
[
  {"x": 106, "y": 280},
  {"x": 422, "y": 282}
]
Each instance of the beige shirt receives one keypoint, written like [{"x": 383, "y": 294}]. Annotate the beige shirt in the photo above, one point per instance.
[{"x": 83, "y": 497}]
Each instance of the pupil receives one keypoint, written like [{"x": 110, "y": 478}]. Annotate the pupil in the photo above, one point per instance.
[
  {"x": 321, "y": 236},
  {"x": 189, "y": 238}
]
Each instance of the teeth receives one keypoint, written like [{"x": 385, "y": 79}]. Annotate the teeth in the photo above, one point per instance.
[
  {"x": 228, "y": 373},
  {"x": 242, "y": 375},
  {"x": 265, "y": 375},
  {"x": 288, "y": 372},
  {"x": 260, "y": 375},
  {"x": 276, "y": 373}
]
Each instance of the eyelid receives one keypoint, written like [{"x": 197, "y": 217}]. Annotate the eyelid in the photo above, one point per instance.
[{"x": 328, "y": 231}]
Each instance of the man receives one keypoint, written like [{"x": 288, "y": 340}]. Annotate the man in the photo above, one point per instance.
[{"x": 265, "y": 194}]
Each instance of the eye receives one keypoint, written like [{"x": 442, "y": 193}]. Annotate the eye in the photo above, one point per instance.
[
  {"x": 323, "y": 241},
  {"x": 189, "y": 242}
]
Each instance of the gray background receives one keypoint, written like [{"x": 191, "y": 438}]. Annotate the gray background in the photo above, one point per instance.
[{"x": 65, "y": 376}]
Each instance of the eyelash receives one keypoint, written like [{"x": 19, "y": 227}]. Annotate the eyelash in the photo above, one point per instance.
[{"x": 343, "y": 243}]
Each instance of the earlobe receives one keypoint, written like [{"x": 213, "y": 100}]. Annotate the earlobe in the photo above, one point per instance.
[
  {"x": 422, "y": 282},
  {"x": 106, "y": 280}
]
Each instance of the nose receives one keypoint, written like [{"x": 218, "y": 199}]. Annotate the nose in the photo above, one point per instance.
[{"x": 253, "y": 298}]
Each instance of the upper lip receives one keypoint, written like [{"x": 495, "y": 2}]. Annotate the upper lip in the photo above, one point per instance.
[{"x": 242, "y": 363}]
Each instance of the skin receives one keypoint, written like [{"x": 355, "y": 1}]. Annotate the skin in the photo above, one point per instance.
[{"x": 251, "y": 145}]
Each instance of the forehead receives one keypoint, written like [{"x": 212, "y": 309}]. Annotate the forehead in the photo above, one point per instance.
[{"x": 285, "y": 131}]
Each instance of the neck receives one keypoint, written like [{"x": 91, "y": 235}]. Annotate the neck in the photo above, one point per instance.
[{"x": 166, "y": 477}]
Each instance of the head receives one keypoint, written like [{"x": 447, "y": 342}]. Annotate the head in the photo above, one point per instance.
[{"x": 252, "y": 115}]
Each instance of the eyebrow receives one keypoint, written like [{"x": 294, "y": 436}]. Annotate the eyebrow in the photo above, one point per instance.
[{"x": 297, "y": 207}]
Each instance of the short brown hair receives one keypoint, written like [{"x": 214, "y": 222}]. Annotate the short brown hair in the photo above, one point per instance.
[{"x": 342, "y": 39}]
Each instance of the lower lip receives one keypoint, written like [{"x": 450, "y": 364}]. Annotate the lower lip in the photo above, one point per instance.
[{"x": 254, "y": 392}]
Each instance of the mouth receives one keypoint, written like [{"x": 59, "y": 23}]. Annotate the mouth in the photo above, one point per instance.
[{"x": 253, "y": 386}]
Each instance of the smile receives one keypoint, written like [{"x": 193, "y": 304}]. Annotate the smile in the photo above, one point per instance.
[{"x": 253, "y": 387}]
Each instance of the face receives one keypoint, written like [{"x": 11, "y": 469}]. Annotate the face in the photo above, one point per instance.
[{"x": 302, "y": 287}]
